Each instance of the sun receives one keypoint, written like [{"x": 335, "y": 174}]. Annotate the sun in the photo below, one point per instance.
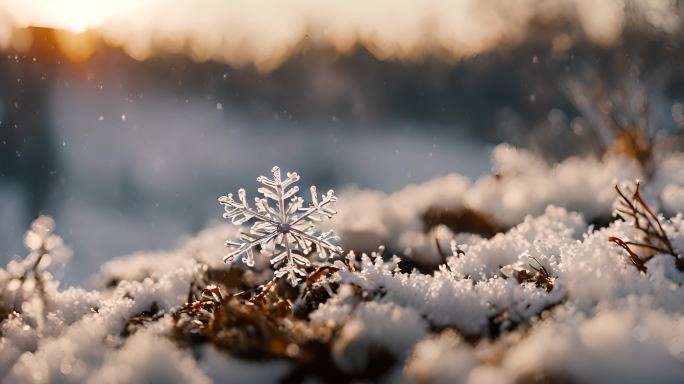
[{"x": 71, "y": 15}]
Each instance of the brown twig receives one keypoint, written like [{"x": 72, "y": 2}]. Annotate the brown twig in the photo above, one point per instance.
[
  {"x": 543, "y": 278},
  {"x": 267, "y": 288},
  {"x": 648, "y": 224},
  {"x": 319, "y": 273},
  {"x": 633, "y": 257}
]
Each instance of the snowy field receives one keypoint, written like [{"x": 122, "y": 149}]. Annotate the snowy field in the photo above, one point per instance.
[{"x": 543, "y": 297}]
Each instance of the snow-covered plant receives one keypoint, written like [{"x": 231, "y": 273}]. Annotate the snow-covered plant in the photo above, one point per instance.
[
  {"x": 24, "y": 281},
  {"x": 287, "y": 231}
]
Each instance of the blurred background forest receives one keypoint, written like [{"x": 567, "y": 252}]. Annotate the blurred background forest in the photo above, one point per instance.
[{"x": 126, "y": 123}]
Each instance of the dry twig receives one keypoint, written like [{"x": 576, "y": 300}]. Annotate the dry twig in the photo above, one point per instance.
[{"x": 653, "y": 239}]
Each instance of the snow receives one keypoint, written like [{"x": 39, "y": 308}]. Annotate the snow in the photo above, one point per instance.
[
  {"x": 524, "y": 184},
  {"x": 520, "y": 184},
  {"x": 388, "y": 326},
  {"x": 469, "y": 290},
  {"x": 631, "y": 344},
  {"x": 369, "y": 218},
  {"x": 221, "y": 368},
  {"x": 469, "y": 319},
  {"x": 206, "y": 248},
  {"x": 148, "y": 358},
  {"x": 442, "y": 358},
  {"x": 673, "y": 198}
]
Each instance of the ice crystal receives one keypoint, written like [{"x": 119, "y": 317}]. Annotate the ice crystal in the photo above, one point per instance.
[{"x": 286, "y": 231}]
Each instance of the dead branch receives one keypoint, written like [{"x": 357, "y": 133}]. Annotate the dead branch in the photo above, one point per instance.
[{"x": 653, "y": 238}]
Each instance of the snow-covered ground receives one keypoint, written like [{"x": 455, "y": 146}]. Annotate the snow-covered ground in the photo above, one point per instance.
[{"x": 545, "y": 298}]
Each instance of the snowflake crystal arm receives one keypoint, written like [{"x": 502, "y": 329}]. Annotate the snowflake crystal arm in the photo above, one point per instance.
[{"x": 287, "y": 229}]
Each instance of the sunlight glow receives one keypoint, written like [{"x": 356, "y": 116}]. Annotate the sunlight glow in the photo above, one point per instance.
[
  {"x": 72, "y": 15},
  {"x": 265, "y": 33}
]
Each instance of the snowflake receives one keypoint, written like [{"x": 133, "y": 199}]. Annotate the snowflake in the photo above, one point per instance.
[{"x": 287, "y": 231}]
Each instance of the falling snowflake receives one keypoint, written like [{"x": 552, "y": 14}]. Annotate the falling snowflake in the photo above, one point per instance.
[{"x": 288, "y": 231}]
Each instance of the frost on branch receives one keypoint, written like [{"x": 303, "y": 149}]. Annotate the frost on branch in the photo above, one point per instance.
[{"x": 287, "y": 231}]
